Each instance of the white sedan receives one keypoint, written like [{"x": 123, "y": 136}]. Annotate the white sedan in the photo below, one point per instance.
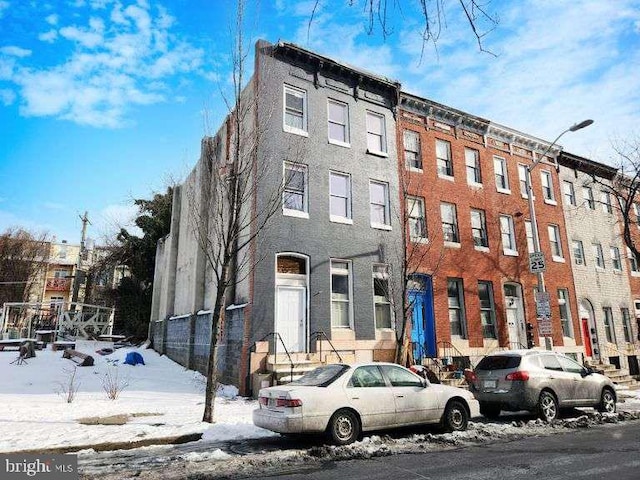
[{"x": 346, "y": 400}]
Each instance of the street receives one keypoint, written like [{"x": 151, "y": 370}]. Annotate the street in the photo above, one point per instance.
[{"x": 609, "y": 451}]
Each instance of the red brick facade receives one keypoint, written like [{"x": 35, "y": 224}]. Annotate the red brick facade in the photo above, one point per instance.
[{"x": 464, "y": 260}]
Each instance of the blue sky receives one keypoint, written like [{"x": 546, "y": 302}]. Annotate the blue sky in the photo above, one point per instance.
[{"x": 103, "y": 101}]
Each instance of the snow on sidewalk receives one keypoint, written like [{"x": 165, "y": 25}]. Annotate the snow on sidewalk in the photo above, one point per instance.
[{"x": 162, "y": 399}]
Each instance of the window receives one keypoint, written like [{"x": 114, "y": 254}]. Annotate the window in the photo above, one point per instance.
[
  {"x": 615, "y": 258},
  {"x": 340, "y": 294},
  {"x": 367, "y": 377},
  {"x": 294, "y": 196},
  {"x": 636, "y": 210},
  {"x": 412, "y": 158},
  {"x": 569, "y": 193},
  {"x": 472, "y": 160},
  {"x": 547, "y": 186},
  {"x": 295, "y": 110},
  {"x": 479, "y": 228},
  {"x": 626, "y": 324},
  {"x": 608, "y": 325},
  {"x": 508, "y": 235},
  {"x": 417, "y": 221},
  {"x": 487, "y": 309},
  {"x": 340, "y": 197},
  {"x": 578, "y": 252},
  {"x": 565, "y": 312},
  {"x": 550, "y": 362},
  {"x": 531, "y": 247},
  {"x": 587, "y": 194},
  {"x": 338, "y": 115},
  {"x": 554, "y": 241},
  {"x": 382, "y": 296},
  {"x": 62, "y": 252},
  {"x": 605, "y": 198},
  {"x": 379, "y": 204},
  {"x": 456, "y": 307},
  {"x": 569, "y": 365},
  {"x": 399, "y": 377},
  {"x": 599, "y": 256},
  {"x": 522, "y": 180},
  {"x": 633, "y": 261},
  {"x": 502, "y": 180},
  {"x": 443, "y": 158},
  {"x": 376, "y": 133},
  {"x": 449, "y": 223}
]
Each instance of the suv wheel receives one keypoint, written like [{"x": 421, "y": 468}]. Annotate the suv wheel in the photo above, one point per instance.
[
  {"x": 490, "y": 410},
  {"x": 547, "y": 406},
  {"x": 607, "y": 402}
]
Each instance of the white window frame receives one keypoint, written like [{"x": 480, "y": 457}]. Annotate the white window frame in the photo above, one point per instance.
[
  {"x": 569, "y": 193},
  {"x": 578, "y": 252},
  {"x": 522, "y": 180},
  {"x": 339, "y": 218},
  {"x": 605, "y": 199},
  {"x": 491, "y": 310},
  {"x": 616, "y": 259},
  {"x": 417, "y": 152},
  {"x": 548, "y": 194},
  {"x": 555, "y": 243},
  {"x": 587, "y": 195},
  {"x": 636, "y": 209},
  {"x": 598, "y": 254},
  {"x": 336, "y": 269},
  {"x": 528, "y": 229},
  {"x": 387, "y": 217},
  {"x": 564, "y": 304},
  {"x": 501, "y": 172},
  {"x": 298, "y": 92},
  {"x": 417, "y": 218},
  {"x": 454, "y": 224},
  {"x": 609, "y": 327},
  {"x": 345, "y": 126},
  {"x": 626, "y": 324},
  {"x": 290, "y": 212},
  {"x": 473, "y": 168},
  {"x": 446, "y": 172},
  {"x": 460, "y": 308},
  {"x": 511, "y": 235},
  {"x": 382, "y": 137},
  {"x": 381, "y": 272},
  {"x": 481, "y": 218},
  {"x": 634, "y": 267}
]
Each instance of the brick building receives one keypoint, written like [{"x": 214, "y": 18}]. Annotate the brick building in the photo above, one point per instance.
[{"x": 470, "y": 235}]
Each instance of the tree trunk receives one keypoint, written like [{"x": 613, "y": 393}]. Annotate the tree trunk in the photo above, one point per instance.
[{"x": 212, "y": 368}]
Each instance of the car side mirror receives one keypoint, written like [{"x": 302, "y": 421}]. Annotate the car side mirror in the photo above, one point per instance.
[
  {"x": 425, "y": 382},
  {"x": 587, "y": 371}
]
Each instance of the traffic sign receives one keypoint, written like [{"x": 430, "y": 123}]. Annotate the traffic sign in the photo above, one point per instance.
[
  {"x": 536, "y": 262},
  {"x": 543, "y": 304},
  {"x": 544, "y": 325}
]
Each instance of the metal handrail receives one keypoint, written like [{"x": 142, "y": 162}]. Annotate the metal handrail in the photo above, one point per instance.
[
  {"x": 322, "y": 334},
  {"x": 446, "y": 346},
  {"x": 275, "y": 348}
]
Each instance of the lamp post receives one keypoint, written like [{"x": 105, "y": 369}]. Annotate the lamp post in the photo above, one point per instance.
[{"x": 539, "y": 269}]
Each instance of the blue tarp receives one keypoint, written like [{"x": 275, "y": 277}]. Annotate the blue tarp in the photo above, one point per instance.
[{"x": 133, "y": 358}]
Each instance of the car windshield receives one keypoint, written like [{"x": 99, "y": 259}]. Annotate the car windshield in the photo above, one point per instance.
[
  {"x": 321, "y": 376},
  {"x": 499, "y": 362}
]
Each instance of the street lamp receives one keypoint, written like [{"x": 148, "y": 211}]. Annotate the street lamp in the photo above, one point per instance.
[{"x": 536, "y": 263}]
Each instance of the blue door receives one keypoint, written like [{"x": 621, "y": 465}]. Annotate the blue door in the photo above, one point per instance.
[{"x": 423, "y": 331}]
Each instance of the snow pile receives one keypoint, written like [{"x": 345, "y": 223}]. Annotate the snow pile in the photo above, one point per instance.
[
  {"x": 161, "y": 399},
  {"x": 216, "y": 455}
]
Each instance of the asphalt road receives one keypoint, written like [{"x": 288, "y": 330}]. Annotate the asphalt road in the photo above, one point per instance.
[{"x": 607, "y": 452}]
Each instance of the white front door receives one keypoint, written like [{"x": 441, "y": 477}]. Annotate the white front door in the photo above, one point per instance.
[{"x": 291, "y": 317}]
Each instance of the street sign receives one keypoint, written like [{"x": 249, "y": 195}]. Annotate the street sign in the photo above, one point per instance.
[
  {"x": 536, "y": 262},
  {"x": 544, "y": 325},
  {"x": 543, "y": 304}
]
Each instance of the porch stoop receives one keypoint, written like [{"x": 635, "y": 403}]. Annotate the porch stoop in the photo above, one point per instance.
[{"x": 619, "y": 376}]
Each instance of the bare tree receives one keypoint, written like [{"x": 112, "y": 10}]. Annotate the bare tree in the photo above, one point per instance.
[
  {"x": 23, "y": 259},
  {"x": 432, "y": 13},
  {"x": 222, "y": 197}
]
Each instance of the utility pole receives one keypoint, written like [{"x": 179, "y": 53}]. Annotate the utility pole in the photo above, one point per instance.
[{"x": 79, "y": 277}]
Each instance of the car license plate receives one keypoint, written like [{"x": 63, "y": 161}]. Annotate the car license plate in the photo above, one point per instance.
[{"x": 490, "y": 383}]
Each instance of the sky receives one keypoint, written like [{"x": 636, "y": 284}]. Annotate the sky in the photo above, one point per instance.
[{"x": 105, "y": 101}]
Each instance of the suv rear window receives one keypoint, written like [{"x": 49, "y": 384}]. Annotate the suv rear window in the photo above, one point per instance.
[{"x": 498, "y": 362}]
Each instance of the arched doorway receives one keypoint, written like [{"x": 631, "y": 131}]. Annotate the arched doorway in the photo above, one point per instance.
[
  {"x": 514, "y": 315},
  {"x": 291, "y": 300},
  {"x": 589, "y": 330}
]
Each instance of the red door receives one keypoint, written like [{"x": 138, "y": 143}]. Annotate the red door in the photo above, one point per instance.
[{"x": 586, "y": 337}]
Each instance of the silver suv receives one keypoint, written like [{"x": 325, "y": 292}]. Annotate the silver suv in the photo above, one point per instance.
[{"x": 538, "y": 381}]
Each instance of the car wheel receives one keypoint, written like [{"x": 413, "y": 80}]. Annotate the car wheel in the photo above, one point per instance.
[
  {"x": 455, "y": 418},
  {"x": 344, "y": 427},
  {"x": 548, "y": 406},
  {"x": 490, "y": 410},
  {"x": 607, "y": 402}
]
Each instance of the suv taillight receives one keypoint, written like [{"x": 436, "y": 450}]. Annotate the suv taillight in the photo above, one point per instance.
[
  {"x": 518, "y": 376},
  {"x": 288, "y": 402}
]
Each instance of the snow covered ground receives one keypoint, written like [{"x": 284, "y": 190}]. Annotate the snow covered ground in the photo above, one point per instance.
[{"x": 162, "y": 399}]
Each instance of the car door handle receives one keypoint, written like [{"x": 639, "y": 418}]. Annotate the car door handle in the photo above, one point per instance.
[
  {"x": 399, "y": 396},
  {"x": 355, "y": 398}
]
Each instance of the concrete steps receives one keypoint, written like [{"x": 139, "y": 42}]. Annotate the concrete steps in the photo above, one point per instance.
[{"x": 619, "y": 376}]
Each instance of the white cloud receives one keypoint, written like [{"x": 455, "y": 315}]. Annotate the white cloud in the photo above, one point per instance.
[
  {"x": 15, "y": 51},
  {"x": 114, "y": 217},
  {"x": 7, "y": 97},
  {"x": 3, "y": 6},
  {"x": 52, "y": 19},
  {"x": 120, "y": 58}
]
